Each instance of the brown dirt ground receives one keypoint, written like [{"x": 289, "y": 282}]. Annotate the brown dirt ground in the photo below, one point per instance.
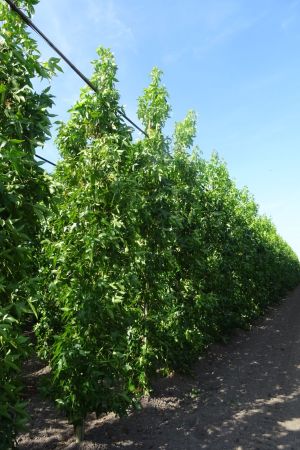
[{"x": 242, "y": 396}]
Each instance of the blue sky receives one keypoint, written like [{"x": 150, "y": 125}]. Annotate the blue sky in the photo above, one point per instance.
[{"x": 235, "y": 62}]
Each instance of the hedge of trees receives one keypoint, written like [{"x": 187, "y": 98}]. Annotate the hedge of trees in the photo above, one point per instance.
[
  {"x": 142, "y": 255},
  {"x": 24, "y": 195}
]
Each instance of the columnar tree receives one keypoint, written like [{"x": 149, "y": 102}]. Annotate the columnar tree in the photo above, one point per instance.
[
  {"x": 24, "y": 126},
  {"x": 87, "y": 303}
]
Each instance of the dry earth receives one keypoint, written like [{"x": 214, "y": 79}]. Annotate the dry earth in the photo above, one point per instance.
[{"x": 242, "y": 396}]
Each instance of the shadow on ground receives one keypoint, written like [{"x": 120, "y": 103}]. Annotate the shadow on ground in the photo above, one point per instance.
[{"x": 243, "y": 396}]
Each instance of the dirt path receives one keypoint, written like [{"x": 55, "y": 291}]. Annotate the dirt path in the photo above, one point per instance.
[{"x": 243, "y": 396}]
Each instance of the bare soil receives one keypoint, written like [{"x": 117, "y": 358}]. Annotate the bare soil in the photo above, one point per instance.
[{"x": 242, "y": 396}]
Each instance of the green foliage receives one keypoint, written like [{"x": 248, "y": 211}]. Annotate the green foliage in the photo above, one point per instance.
[
  {"x": 24, "y": 125},
  {"x": 89, "y": 283},
  {"x": 153, "y": 108},
  {"x": 150, "y": 252},
  {"x": 13, "y": 349},
  {"x": 185, "y": 132}
]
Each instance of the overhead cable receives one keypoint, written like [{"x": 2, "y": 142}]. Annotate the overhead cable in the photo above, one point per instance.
[
  {"x": 46, "y": 160},
  {"x": 29, "y": 22}
]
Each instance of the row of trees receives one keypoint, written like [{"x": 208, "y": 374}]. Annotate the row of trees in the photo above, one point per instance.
[{"x": 147, "y": 252}]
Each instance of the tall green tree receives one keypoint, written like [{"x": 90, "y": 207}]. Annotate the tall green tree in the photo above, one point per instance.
[
  {"x": 87, "y": 301},
  {"x": 24, "y": 126}
]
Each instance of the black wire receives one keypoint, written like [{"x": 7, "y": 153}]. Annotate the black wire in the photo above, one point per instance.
[
  {"x": 80, "y": 74},
  {"x": 46, "y": 160}
]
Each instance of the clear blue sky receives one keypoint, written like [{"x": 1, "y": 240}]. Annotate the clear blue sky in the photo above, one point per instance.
[{"x": 235, "y": 62}]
